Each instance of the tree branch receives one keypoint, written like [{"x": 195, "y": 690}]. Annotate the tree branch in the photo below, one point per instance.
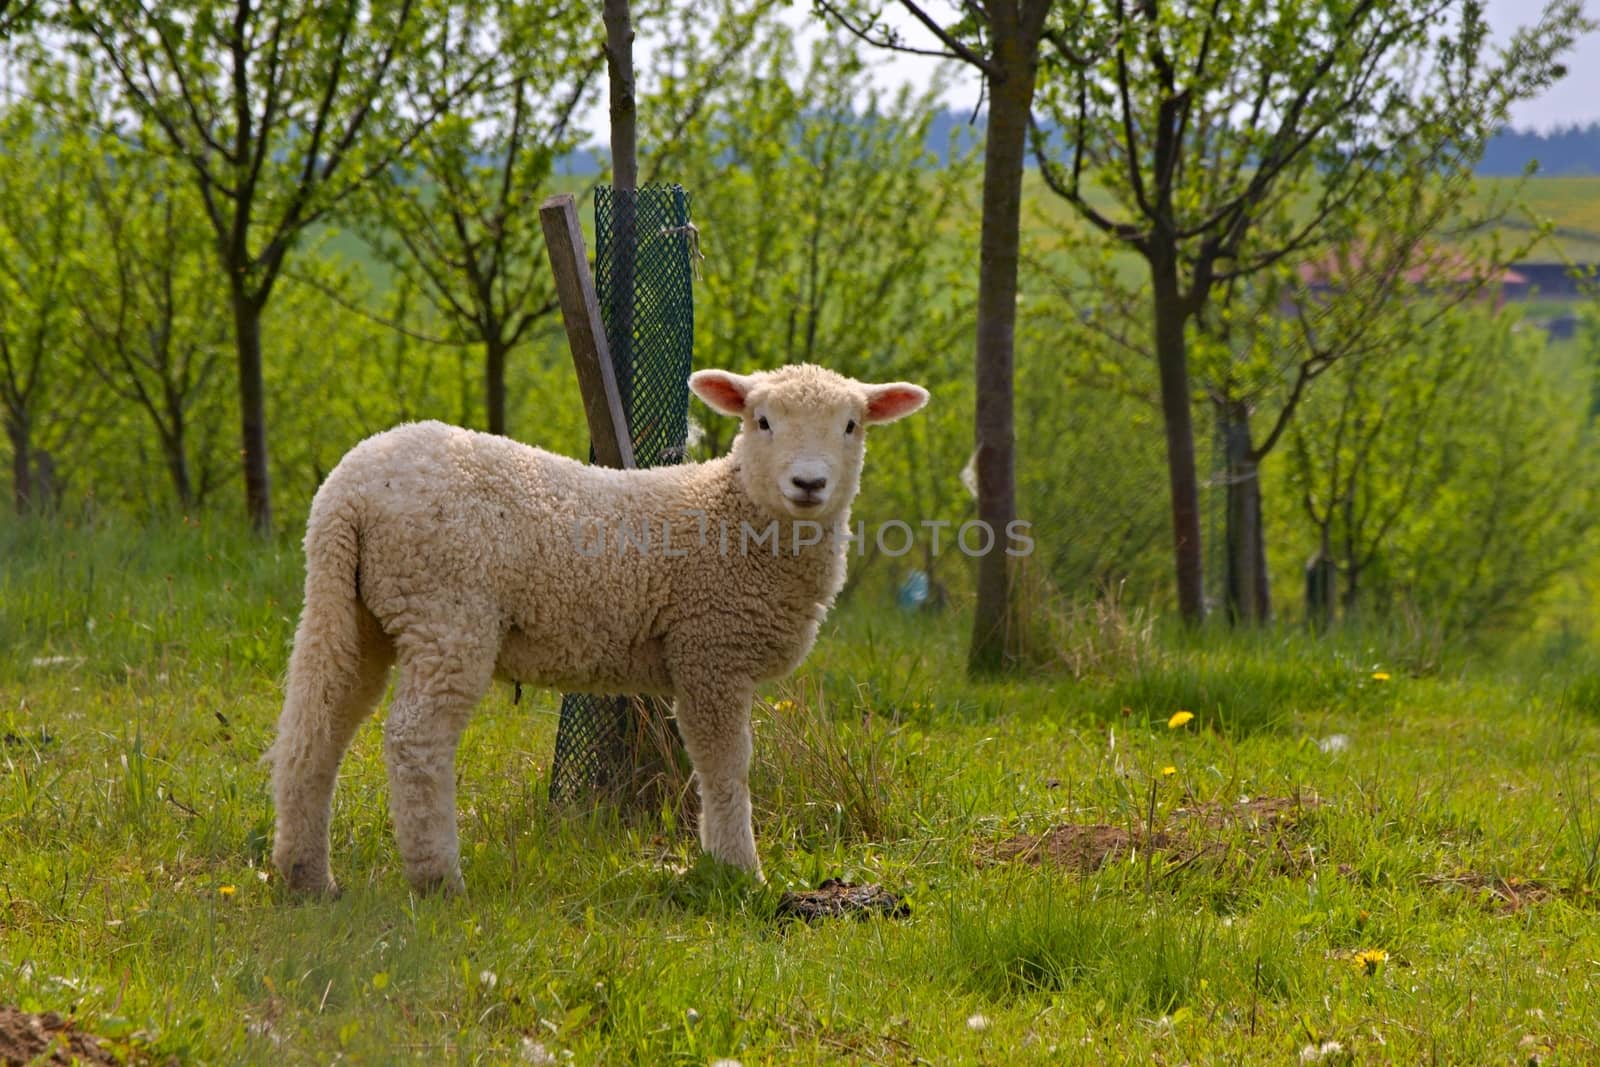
[{"x": 891, "y": 42}]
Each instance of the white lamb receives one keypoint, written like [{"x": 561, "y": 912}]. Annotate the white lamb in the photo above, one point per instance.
[{"x": 462, "y": 555}]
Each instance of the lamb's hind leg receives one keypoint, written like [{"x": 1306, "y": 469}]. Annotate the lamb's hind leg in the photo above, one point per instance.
[
  {"x": 337, "y": 672},
  {"x": 441, "y": 679}
]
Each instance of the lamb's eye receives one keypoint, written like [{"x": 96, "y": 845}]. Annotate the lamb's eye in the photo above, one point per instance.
[
  {"x": 763, "y": 423},
  {"x": 850, "y": 427}
]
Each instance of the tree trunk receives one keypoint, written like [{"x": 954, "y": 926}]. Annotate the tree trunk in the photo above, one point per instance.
[
  {"x": 178, "y": 468},
  {"x": 21, "y": 462},
  {"x": 252, "y": 412},
  {"x": 996, "y": 628},
  {"x": 174, "y": 441},
  {"x": 1249, "y": 599},
  {"x": 624, "y": 183},
  {"x": 1352, "y": 564},
  {"x": 624, "y": 124},
  {"x": 1172, "y": 359},
  {"x": 494, "y": 351},
  {"x": 1322, "y": 574}
]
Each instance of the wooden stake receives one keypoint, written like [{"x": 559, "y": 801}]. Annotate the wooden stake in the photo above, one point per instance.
[{"x": 586, "y": 333}]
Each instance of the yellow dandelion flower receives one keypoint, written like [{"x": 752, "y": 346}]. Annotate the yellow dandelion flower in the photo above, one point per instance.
[
  {"x": 227, "y": 890},
  {"x": 1370, "y": 959},
  {"x": 1380, "y": 676},
  {"x": 784, "y": 706},
  {"x": 1179, "y": 719},
  {"x": 1168, "y": 772}
]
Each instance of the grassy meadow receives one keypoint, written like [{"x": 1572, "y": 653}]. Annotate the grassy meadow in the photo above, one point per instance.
[
  {"x": 1151, "y": 845},
  {"x": 1571, "y": 205},
  {"x": 1157, "y": 847},
  {"x": 1359, "y": 849}
]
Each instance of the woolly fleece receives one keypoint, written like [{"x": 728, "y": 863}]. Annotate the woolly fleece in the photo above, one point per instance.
[{"x": 463, "y": 556}]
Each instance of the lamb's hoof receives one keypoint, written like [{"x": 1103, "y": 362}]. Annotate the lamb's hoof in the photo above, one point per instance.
[
  {"x": 744, "y": 868},
  {"x": 715, "y": 870},
  {"x": 306, "y": 881},
  {"x": 433, "y": 882}
]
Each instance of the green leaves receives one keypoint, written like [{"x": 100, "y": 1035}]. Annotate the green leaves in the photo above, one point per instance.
[
  {"x": 1452, "y": 468},
  {"x": 823, "y": 217},
  {"x": 1205, "y": 121},
  {"x": 457, "y": 218},
  {"x": 1231, "y": 143}
]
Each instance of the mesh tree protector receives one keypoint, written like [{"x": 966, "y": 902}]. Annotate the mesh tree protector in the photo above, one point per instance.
[{"x": 644, "y": 271}]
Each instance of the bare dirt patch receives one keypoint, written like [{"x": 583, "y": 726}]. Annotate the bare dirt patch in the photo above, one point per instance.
[
  {"x": 1500, "y": 893},
  {"x": 1256, "y": 813},
  {"x": 48, "y": 1038},
  {"x": 834, "y": 899},
  {"x": 1198, "y": 832}
]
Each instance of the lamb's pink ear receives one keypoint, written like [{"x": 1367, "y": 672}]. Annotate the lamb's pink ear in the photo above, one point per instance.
[
  {"x": 896, "y": 400},
  {"x": 723, "y": 392}
]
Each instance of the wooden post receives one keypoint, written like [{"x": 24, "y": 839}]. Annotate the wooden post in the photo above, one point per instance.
[{"x": 586, "y": 333}]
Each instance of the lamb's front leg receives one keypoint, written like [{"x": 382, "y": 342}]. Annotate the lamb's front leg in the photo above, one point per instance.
[{"x": 714, "y": 720}]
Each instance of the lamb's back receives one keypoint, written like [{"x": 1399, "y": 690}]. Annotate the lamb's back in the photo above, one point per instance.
[{"x": 452, "y": 519}]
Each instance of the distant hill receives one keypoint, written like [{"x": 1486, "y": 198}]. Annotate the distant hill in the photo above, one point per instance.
[
  {"x": 949, "y": 133},
  {"x": 1571, "y": 151},
  {"x": 1568, "y": 151}
]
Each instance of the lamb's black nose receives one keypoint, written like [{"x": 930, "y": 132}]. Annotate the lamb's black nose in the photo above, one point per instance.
[{"x": 810, "y": 485}]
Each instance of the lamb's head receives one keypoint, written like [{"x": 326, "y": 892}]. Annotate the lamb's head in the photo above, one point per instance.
[{"x": 803, "y": 433}]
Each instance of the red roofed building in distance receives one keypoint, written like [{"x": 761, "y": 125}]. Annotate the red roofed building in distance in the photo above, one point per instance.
[{"x": 1426, "y": 270}]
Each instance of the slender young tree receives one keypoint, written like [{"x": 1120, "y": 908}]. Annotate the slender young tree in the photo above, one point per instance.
[
  {"x": 826, "y": 221},
  {"x": 41, "y": 224},
  {"x": 458, "y": 218},
  {"x": 280, "y": 112},
  {"x": 622, "y": 104},
  {"x": 1266, "y": 340},
  {"x": 624, "y": 113},
  {"x": 1455, "y": 470},
  {"x": 1006, "y": 42},
  {"x": 145, "y": 298},
  {"x": 1232, "y": 136}
]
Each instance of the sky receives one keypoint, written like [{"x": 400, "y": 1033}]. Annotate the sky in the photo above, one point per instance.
[{"x": 1575, "y": 99}]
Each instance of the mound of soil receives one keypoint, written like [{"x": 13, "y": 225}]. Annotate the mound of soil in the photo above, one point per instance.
[
  {"x": 1087, "y": 847},
  {"x": 834, "y": 899},
  {"x": 26, "y": 1038}
]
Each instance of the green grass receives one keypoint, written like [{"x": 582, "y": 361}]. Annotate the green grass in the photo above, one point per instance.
[
  {"x": 1572, "y": 205},
  {"x": 139, "y": 673}
]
